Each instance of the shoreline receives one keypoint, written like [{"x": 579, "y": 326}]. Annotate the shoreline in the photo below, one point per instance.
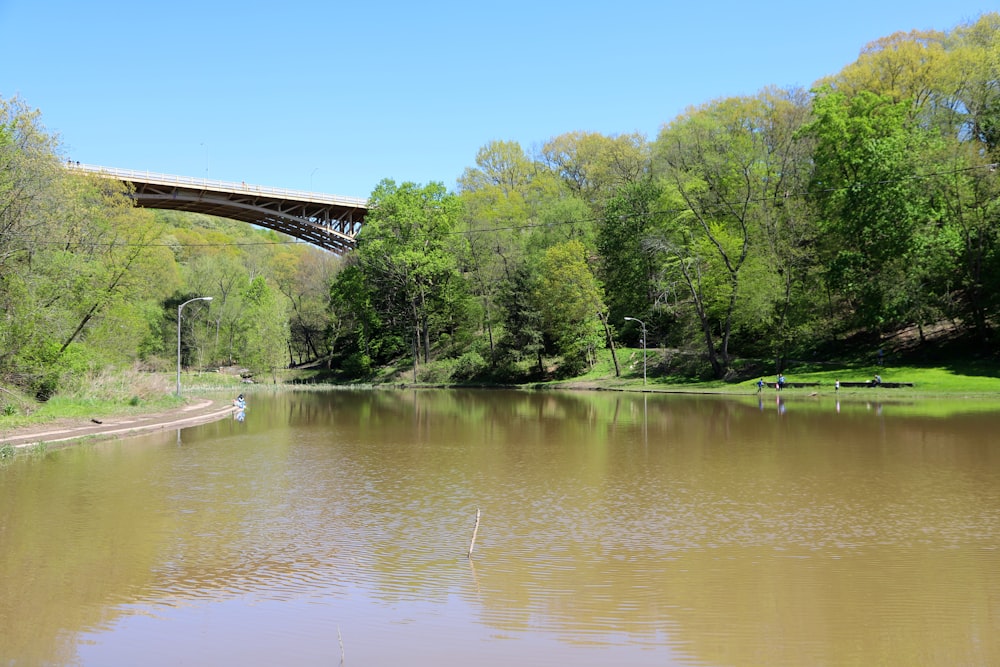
[{"x": 70, "y": 431}]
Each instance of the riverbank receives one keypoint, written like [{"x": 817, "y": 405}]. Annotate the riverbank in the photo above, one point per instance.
[
  {"x": 976, "y": 388},
  {"x": 66, "y": 431}
]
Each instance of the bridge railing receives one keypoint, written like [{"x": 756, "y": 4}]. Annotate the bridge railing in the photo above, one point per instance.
[{"x": 224, "y": 186}]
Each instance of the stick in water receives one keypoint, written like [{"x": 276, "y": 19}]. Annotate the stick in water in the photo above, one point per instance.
[
  {"x": 341, "y": 640},
  {"x": 475, "y": 530}
]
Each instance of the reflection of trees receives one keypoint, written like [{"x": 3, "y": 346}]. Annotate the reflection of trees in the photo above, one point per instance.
[
  {"x": 139, "y": 521},
  {"x": 738, "y": 536},
  {"x": 73, "y": 537}
]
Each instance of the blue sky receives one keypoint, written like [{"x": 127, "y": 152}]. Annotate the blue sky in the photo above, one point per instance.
[{"x": 333, "y": 96}]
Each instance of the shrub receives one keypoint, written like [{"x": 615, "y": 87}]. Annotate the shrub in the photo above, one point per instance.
[
  {"x": 358, "y": 365},
  {"x": 436, "y": 372},
  {"x": 468, "y": 366}
]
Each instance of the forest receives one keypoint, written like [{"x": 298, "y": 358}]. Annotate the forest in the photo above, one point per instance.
[{"x": 788, "y": 224}]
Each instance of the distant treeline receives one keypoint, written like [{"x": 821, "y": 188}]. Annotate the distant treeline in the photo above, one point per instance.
[{"x": 762, "y": 226}]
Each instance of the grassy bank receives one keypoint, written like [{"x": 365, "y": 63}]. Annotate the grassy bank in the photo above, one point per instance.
[
  {"x": 976, "y": 384},
  {"x": 959, "y": 379},
  {"x": 107, "y": 394},
  {"x": 665, "y": 372}
]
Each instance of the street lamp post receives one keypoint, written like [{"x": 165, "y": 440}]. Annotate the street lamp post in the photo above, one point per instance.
[
  {"x": 179, "y": 309},
  {"x": 636, "y": 319}
]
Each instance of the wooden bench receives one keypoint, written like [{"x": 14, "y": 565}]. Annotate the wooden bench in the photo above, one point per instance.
[{"x": 869, "y": 383}]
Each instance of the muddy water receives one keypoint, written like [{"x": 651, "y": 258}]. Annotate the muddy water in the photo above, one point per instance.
[{"x": 334, "y": 528}]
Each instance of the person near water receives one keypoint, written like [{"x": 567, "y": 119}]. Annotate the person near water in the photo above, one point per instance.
[
  {"x": 240, "y": 402},
  {"x": 760, "y": 385}
]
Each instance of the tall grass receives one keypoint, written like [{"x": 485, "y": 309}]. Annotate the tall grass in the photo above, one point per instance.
[{"x": 102, "y": 393}]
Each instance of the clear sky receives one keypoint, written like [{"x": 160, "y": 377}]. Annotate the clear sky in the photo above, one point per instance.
[{"x": 334, "y": 96}]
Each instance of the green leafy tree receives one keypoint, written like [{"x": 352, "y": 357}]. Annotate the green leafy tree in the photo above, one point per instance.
[
  {"x": 495, "y": 195},
  {"x": 572, "y": 303},
  {"x": 356, "y": 324},
  {"x": 406, "y": 255},
  {"x": 266, "y": 335},
  {"x": 592, "y": 166},
  {"x": 225, "y": 278},
  {"x": 304, "y": 275},
  {"x": 967, "y": 109},
  {"x": 628, "y": 263},
  {"x": 523, "y": 333},
  {"x": 719, "y": 164},
  {"x": 868, "y": 154}
]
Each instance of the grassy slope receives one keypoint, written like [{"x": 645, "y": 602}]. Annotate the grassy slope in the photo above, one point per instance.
[{"x": 966, "y": 379}]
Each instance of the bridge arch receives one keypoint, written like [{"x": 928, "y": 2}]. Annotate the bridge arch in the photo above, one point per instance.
[{"x": 328, "y": 221}]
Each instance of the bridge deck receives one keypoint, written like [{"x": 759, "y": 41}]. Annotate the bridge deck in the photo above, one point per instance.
[{"x": 329, "y": 221}]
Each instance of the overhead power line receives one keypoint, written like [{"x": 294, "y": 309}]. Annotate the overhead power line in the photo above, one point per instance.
[{"x": 992, "y": 167}]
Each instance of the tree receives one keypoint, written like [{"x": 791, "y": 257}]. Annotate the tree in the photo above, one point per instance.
[
  {"x": 75, "y": 259},
  {"x": 28, "y": 169},
  {"x": 266, "y": 335},
  {"x": 223, "y": 276},
  {"x": 405, "y": 257},
  {"x": 495, "y": 196},
  {"x": 356, "y": 323},
  {"x": 627, "y": 262},
  {"x": 110, "y": 244},
  {"x": 592, "y": 166},
  {"x": 304, "y": 274},
  {"x": 523, "y": 334},
  {"x": 867, "y": 155},
  {"x": 572, "y": 304},
  {"x": 968, "y": 112},
  {"x": 719, "y": 165},
  {"x": 900, "y": 68}
]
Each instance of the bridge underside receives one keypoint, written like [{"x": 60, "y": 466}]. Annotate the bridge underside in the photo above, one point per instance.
[{"x": 329, "y": 225}]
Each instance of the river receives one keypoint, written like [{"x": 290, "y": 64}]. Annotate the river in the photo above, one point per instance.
[{"x": 334, "y": 528}]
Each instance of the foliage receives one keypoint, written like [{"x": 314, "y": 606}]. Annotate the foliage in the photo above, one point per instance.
[
  {"x": 722, "y": 166},
  {"x": 469, "y": 366},
  {"x": 628, "y": 264},
  {"x": 780, "y": 224},
  {"x": 406, "y": 271},
  {"x": 265, "y": 338},
  {"x": 571, "y": 302}
]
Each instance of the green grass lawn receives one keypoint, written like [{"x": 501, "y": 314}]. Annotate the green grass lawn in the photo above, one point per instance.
[{"x": 964, "y": 379}]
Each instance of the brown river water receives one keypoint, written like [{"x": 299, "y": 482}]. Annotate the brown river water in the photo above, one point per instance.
[{"x": 333, "y": 528}]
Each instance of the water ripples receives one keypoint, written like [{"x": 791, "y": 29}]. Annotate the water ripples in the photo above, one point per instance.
[{"x": 590, "y": 536}]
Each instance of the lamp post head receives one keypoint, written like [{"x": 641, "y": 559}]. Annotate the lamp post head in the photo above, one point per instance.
[
  {"x": 197, "y": 298},
  {"x": 179, "y": 309}
]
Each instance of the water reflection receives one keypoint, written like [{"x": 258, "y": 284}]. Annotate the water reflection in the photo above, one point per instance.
[{"x": 615, "y": 528}]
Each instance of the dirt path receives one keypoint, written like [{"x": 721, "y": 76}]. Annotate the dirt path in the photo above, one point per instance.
[{"x": 66, "y": 431}]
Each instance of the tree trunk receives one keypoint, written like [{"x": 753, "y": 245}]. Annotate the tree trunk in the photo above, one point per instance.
[{"x": 611, "y": 342}]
